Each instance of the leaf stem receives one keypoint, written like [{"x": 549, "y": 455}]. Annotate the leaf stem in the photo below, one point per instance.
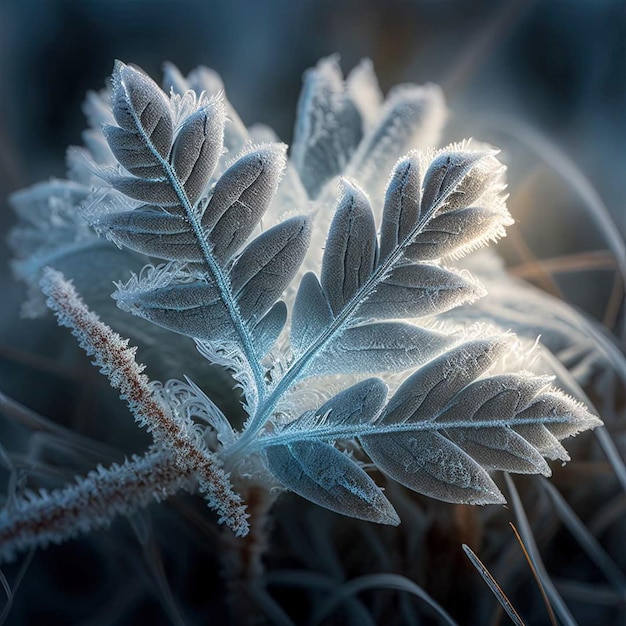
[{"x": 348, "y": 431}]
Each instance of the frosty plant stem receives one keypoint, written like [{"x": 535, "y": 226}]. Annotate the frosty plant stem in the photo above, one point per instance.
[
  {"x": 38, "y": 519},
  {"x": 175, "y": 433}
]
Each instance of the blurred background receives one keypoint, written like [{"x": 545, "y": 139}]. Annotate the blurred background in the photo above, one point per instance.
[{"x": 545, "y": 81}]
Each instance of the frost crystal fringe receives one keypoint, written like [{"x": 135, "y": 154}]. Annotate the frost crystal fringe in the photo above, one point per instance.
[
  {"x": 176, "y": 433},
  {"x": 38, "y": 519}
]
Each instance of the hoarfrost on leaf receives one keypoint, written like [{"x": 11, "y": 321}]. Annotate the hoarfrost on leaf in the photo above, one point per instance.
[{"x": 302, "y": 289}]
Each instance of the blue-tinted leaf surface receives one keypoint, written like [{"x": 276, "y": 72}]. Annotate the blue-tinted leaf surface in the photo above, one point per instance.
[
  {"x": 141, "y": 108},
  {"x": 240, "y": 198},
  {"x": 151, "y": 231},
  {"x": 446, "y": 179},
  {"x": 418, "y": 291},
  {"x": 320, "y": 473},
  {"x": 269, "y": 327},
  {"x": 379, "y": 347},
  {"x": 351, "y": 248},
  {"x": 448, "y": 233},
  {"x": 268, "y": 264},
  {"x": 401, "y": 210},
  {"x": 198, "y": 147},
  {"x": 194, "y": 309},
  {"x": 311, "y": 313}
]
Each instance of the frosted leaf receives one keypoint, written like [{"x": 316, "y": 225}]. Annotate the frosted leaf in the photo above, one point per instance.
[
  {"x": 142, "y": 109},
  {"x": 267, "y": 266},
  {"x": 193, "y": 309},
  {"x": 379, "y": 347},
  {"x": 198, "y": 147},
  {"x": 241, "y": 197},
  {"x": 351, "y": 248},
  {"x": 401, "y": 210},
  {"x": 420, "y": 290},
  {"x": 325, "y": 476},
  {"x": 328, "y": 127},
  {"x": 311, "y": 313}
]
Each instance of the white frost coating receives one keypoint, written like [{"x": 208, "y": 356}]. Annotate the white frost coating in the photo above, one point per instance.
[{"x": 302, "y": 336}]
